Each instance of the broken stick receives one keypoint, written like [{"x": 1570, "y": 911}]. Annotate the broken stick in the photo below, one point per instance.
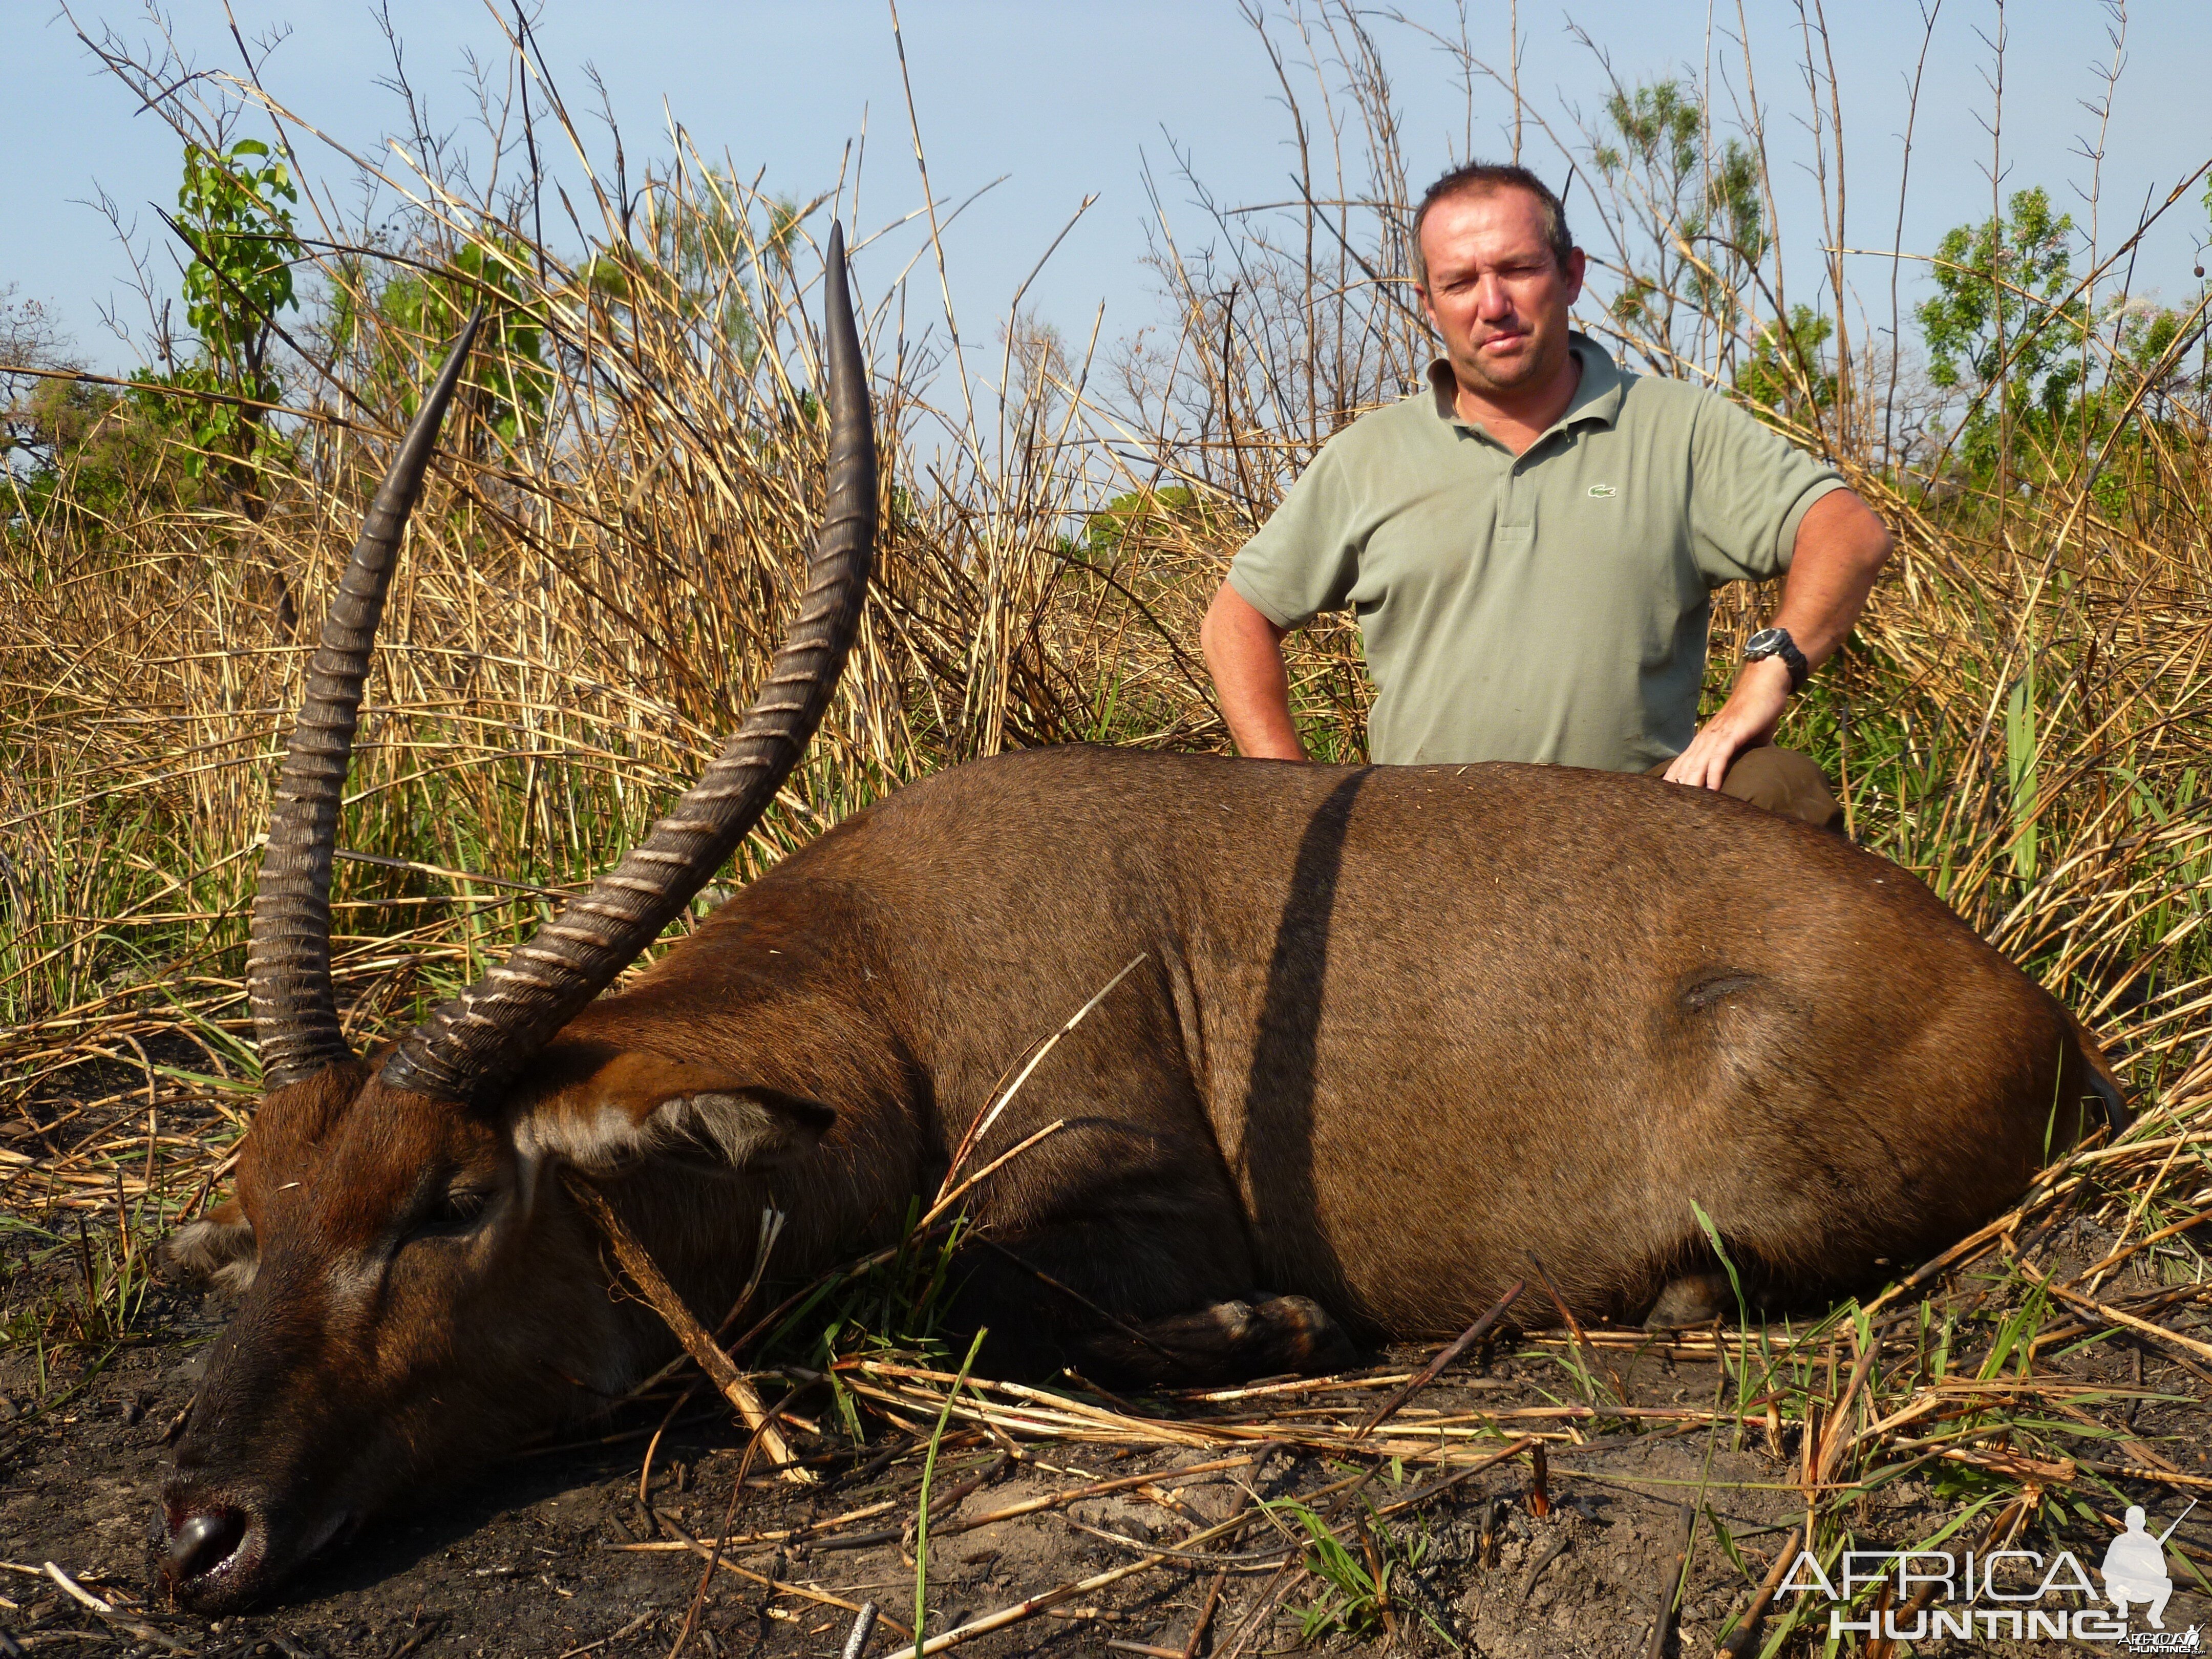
[{"x": 718, "y": 1365}]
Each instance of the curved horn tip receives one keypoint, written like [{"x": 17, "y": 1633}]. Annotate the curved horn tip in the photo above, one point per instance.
[
  {"x": 288, "y": 951},
  {"x": 450, "y": 372},
  {"x": 837, "y": 292}
]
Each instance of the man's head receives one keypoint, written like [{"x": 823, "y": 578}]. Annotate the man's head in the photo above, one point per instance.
[{"x": 1497, "y": 271}]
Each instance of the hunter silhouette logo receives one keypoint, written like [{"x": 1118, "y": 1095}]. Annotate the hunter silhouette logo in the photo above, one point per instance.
[
  {"x": 2134, "y": 1568},
  {"x": 1998, "y": 1594}
]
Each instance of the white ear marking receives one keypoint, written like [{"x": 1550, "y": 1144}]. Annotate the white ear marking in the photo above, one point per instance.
[
  {"x": 744, "y": 1129},
  {"x": 751, "y": 1131}
]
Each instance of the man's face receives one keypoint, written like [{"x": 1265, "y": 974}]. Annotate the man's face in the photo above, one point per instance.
[{"x": 1495, "y": 293}]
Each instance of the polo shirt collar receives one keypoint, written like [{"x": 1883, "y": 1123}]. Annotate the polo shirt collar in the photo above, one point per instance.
[{"x": 1597, "y": 395}]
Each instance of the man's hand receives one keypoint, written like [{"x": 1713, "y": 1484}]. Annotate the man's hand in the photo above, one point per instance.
[
  {"x": 1746, "y": 721},
  {"x": 1840, "y": 548},
  {"x": 1244, "y": 655}
]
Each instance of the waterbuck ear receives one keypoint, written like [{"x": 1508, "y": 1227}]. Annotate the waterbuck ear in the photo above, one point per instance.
[
  {"x": 632, "y": 1106},
  {"x": 217, "y": 1249}
]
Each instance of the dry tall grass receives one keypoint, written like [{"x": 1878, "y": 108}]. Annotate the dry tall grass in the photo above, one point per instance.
[
  {"x": 589, "y": 595},
  {"x": 2025, "y": 719}
]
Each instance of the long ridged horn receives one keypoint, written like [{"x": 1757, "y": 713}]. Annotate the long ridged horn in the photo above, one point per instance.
[
  {"x": 287, "y": 954},
  {"x": 496, "y": 1024}
]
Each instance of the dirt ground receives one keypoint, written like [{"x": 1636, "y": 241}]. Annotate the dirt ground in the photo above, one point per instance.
[{"x": 554, "y": 1553}]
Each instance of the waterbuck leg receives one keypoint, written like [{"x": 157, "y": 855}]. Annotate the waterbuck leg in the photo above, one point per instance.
[{"x": 1098, "y": 1297}]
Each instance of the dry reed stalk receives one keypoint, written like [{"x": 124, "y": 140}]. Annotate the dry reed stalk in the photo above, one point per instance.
[
  {"x": 1451, "y": 1351},
  {"x": 2114, "y": 1316},
  {"x": 1032, "y": 1606},
  {"x": 138, "y": 1628},
  {"x": 1741, "y": 1641},
  {"x": 804, "y": 1593},
  {"x": 777, "y": 1535},
  {"x": 1164, "y": 1478},
  {"x": 1671, "y": 1584},
  {"x": 1837, "y": 1437},
  {"x": 703, "y": 1347}
]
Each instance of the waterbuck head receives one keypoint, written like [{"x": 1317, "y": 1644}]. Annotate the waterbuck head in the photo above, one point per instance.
[{"x": 416, "y": 1295}]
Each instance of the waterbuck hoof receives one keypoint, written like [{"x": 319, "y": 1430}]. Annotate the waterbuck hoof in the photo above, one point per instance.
[
  {"x": 1308, "y": 1338},
  {"x": 1693, "y": 1299},
  {"x": 1225, "y": 1342}
]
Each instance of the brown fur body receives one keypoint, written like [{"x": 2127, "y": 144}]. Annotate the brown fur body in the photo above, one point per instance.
[
  {"x": 1396, "y": 1029},
  {"x": 1394, "y": 1032}
]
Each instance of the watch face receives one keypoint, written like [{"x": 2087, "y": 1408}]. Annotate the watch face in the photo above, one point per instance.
[{"x": 1764, "y": 643}]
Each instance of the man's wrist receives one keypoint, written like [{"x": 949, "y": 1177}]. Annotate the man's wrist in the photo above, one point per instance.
[
  {"x": 1767, "y": 676},
  {"x": 1757, "y": 700}
]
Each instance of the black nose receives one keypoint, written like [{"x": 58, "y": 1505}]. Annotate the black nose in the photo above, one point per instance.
[{"x": 203, "y": 1543}]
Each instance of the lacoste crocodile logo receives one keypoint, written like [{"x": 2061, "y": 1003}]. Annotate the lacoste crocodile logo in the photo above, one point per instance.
[{"x": 1601, "y": 492}]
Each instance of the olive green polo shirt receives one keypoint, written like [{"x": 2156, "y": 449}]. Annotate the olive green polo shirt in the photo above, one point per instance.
[{"x": 1549, "y": 606}]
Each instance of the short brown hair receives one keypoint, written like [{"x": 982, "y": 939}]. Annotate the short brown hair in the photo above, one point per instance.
[{"x": 1477, "y": 176}]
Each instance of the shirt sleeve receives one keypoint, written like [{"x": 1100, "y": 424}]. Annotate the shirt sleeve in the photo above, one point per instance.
[
  {"x": 1749, "y": 490},
  {"x": 1306, "y": 557}
]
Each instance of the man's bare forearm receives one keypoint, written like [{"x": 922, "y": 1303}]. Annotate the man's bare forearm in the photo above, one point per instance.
[
  {"x": 1244, "y": 655},
  {"x": 1840, "y": 550}
]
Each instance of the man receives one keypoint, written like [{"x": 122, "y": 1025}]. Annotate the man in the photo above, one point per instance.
[{"x": 1530, "y": 542}]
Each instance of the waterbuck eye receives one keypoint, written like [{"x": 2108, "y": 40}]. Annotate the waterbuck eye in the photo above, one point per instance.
[
  {"x": 454, "y": 1211},
  {"x": 464, "y": 1205}
]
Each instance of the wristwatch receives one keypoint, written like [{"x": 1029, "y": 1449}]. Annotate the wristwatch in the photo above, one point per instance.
[{"x": 1777, "y": 642}]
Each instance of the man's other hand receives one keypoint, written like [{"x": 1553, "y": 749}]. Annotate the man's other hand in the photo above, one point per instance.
[{"x": 1746, "y": 721}]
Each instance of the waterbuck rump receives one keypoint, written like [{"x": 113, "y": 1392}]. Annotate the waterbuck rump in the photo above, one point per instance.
[{"x": 1381, "y": 1036}]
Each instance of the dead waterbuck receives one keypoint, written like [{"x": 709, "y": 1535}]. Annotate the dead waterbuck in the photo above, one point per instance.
[{"x": 1390, "y": 1032}]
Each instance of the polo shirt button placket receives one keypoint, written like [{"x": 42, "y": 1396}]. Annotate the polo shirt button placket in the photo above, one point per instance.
[{"x": 1513, "y": 517}]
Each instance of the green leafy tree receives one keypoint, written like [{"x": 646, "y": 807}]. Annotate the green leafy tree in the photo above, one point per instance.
[
  {"x": 703, "y": 257},
  {"x": 83, "y": 457},
  {"x": 75, "y": 456},
  {"x": 2146, "y": 380},
  {"x": 234, "y": 213},
  {"x": 1697, "y": 208},
  {"x": 29, "y": 338},
  {"x": 1160, "y": 514},
  {"x": 2001, "y": 329},
  {"x": 1788, "y": 372},
  {"x": 402, "y": 324}
]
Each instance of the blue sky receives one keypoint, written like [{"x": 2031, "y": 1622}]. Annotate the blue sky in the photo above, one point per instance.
[{"x": 1069, "y": 100}]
